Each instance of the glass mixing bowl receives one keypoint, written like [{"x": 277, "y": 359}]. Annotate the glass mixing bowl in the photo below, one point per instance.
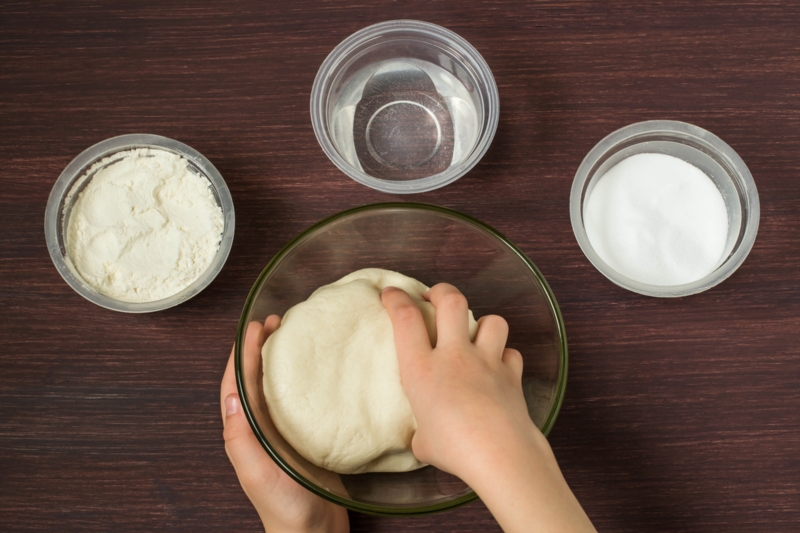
[{"x": 432, "y": 244}]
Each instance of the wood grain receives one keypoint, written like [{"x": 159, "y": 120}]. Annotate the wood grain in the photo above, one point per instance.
[{"x": 680, "y": 415}]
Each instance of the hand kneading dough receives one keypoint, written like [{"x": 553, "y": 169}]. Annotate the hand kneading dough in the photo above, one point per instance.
[{"x": 331, "y": 378}]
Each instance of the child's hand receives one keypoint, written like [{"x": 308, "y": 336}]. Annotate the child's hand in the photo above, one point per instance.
[
  {"x": 471, "y": 414},
  {"x": 282, "y": 504},
  {"x": 466, "y": 396}
]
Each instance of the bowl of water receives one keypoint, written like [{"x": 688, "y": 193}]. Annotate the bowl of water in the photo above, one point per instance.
[{"x": 404, "y": 106}]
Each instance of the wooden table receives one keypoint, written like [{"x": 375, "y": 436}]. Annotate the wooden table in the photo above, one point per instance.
[{"x": 680, "y": 415}]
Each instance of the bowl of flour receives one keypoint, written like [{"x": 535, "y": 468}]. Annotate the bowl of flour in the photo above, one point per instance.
[
  {"x": 664, "y": 208},
  {"x": 139, "y": 223}
]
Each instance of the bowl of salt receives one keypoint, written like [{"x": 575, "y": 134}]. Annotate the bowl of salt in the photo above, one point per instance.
[{"x": 664, "y": 208}]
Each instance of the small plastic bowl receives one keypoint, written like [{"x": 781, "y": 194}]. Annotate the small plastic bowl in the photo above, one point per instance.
[
  {"x": 696, "y": 146},
  {"x": 61, "y": 202},
  {"x": 404, "y": 106},
  {"x": 431, "y": 244}
]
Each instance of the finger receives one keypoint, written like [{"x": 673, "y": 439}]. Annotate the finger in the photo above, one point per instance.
[
  {"x": 228, "y": 385},
  {"x": 513, "y": 359},
  {"x": 272, "y": 323},
  {"x": 251, "y": 361},
  {"x": 410, "y": 334},
  {"x": 255, "y": 336},
  {"x": 254, "y": 468},
  {"x": 492, "y": 335},
  {"x": 452, "y": 314}
]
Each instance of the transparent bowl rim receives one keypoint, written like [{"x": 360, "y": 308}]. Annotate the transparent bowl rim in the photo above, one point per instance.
[
  {"x": 101, "y": 150},
  {"x": 458, "y": 43},
  {"x": 676, "y": 130},
  {"x": 272, "y": 265}
]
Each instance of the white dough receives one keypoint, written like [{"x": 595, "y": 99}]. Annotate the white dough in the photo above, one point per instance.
[{"x": 331, "y": 377}]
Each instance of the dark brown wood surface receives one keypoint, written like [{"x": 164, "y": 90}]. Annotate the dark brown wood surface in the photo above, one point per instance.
[{"x": 680, "y": 415}]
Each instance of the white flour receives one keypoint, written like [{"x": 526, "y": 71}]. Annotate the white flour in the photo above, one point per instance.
[
  {"x": 658, "y": 220},
  {"x": 145, "y": 227}
]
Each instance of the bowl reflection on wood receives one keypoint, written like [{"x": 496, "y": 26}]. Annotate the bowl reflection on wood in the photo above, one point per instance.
[{"x": 433, "y": 245}]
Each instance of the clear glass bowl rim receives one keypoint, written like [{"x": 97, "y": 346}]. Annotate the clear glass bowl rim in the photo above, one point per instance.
[
  {"x": 429, "y": 183},
  {"x": 101, "y": 150},
  {"x": 675, "y": 129},
  {"x": 274, "y": 262}
]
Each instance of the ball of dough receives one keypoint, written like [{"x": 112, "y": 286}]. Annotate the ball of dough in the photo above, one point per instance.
[{"x": 331, "y": 377}]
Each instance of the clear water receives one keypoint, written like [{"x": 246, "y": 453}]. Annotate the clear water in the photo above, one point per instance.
[{"x": 403, "y": 118}]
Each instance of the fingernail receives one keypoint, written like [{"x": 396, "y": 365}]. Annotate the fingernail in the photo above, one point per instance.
[
  {"x": 231, "y": 404},
  {"x": 388, "y": 287}
]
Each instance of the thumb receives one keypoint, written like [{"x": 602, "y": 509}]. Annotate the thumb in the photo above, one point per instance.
[{"x": 253, "y": 466}]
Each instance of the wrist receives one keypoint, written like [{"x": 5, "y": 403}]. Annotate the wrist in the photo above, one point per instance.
[
  {"x": 507, "y": 455},
  {"x": 337, "y": 521},
  {"x": 521, "y": 484},
  {"x": 337, "y": 527}
]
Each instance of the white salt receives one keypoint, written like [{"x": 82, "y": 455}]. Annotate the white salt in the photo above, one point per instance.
[{"x": 658, "y": 220}]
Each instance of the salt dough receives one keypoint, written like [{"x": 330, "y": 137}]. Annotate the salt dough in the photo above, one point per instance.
[{"x": 331, "y": 377}]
